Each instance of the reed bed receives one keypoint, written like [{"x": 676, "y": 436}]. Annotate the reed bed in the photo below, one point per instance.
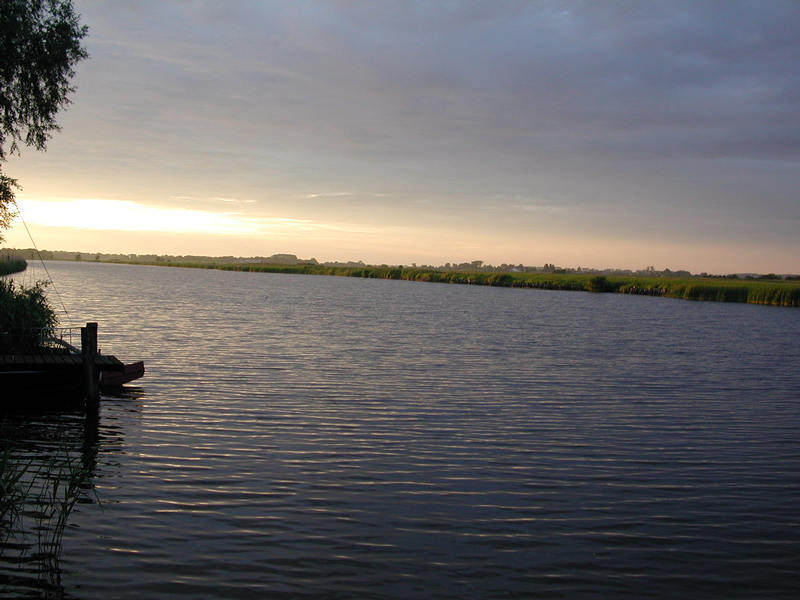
[
  {"x": 12, "y": 265},
  {"x": 772, "y": 292},
  {"x": 775, "y": 293}
]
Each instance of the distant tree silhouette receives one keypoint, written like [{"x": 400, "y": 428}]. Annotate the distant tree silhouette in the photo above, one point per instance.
[{"x": 40, "y": 42}]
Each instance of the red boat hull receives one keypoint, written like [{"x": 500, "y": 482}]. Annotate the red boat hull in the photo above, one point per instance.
[{"x": 118, "y": 378}]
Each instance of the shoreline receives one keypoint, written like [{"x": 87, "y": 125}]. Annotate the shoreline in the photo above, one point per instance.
[
  {"x": 13, "y": 265},
  {"x": 706, "y": 289}
]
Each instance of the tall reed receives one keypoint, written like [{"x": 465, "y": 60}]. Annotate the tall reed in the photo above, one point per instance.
[
  {"x": 36, "y": 501},
  {"x": 13, "y": 493},
  {"x": 778, "y": 293},
  {"x": 12, "y": 265}
]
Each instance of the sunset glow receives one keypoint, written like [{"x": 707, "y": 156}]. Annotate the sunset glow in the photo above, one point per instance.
[
  {"x": 383, "y": 135},
  {"x": 121, "y": 215}
]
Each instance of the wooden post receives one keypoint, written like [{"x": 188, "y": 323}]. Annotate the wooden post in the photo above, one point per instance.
[{"x": 91, "y": 377}]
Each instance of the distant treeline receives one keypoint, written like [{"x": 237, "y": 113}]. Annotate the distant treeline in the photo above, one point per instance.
[
  {"x": 770, "y": 289},
  {"x": 777, "y": 293},
  {"x": 10, "y": 265},
  {"x": 475, "y": 266}
]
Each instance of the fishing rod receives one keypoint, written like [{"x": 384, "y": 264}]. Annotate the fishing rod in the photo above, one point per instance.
[{"x": 41, "y": 260}]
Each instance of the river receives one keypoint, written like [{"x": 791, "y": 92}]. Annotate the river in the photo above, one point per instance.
[{"x": 322, "y": 437}]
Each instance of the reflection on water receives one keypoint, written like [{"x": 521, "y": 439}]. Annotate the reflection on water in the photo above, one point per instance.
[
  {"x": 46, "y": 468},
  {"x": 48, "y": 461},
  {"x": 327, "y": 437}
]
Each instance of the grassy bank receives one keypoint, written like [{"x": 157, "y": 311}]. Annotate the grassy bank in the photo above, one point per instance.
[
  {"x": 772, "y": 292},
  {"x": 12, "y": 265}
]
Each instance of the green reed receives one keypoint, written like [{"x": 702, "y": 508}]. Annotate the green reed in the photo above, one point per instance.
[
  {"x": 777, "y": 292},
  {"x": 37, "y": 496},
  {"x": 13, "y": 493}
]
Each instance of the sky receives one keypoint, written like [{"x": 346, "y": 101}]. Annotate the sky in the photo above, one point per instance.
[{"x": 594, "y": 134}]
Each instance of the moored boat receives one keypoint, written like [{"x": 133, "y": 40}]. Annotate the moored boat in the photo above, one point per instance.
[
  {"x": 116, "y": 378},
  {"x": 55, "y": 371}
]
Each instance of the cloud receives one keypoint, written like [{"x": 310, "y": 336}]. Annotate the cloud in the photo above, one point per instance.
[
  {"x": 621, "y": 116},
  {"x": 212, "y": 199},
  {"x": 328, "y": 195},
  {"x": 464, "y": 87},
  {"x": 232, "y": 200},
  {"x": 344, "y": 195}
]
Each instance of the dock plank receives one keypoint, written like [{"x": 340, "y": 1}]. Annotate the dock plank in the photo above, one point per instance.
[{"x": 104, "y": 362}]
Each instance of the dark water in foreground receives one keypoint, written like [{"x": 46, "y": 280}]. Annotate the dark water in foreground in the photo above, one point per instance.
[{"x": 343, "y": 438}]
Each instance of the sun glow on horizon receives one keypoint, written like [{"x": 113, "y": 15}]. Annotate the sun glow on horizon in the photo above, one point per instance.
[
  {"x": 125, "y": 226},
  {"x": 97, "y": 214},
  {"x": 124, "y": 215}
]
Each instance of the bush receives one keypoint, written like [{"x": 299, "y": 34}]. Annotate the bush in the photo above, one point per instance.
[
  {"x": 599, "y": 284},
  {"x": 24, "y": 313}
]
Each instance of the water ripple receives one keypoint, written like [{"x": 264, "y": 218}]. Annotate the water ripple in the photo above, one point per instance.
[{"x": 321, "y": 437}]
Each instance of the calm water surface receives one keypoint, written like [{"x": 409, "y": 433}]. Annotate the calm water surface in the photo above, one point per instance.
[{"x": 329, "y": 437}]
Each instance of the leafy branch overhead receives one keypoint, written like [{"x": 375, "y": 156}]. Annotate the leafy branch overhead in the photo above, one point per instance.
[
  {"x": 40, "y": 42},
  {"x": 7, "y": 212}
]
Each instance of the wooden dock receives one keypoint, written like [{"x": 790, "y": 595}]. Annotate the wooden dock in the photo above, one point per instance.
[
  {"x": 55, "y": 374},
  {"x": 55, "y": 357}
]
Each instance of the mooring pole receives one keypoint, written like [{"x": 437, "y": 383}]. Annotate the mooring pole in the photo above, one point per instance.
[{"x": 91, "y": 378}]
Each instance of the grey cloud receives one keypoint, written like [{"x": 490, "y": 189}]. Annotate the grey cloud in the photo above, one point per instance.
[
  {"x": 457, "y": 100},
  {"x": 387, "y": 77}
]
